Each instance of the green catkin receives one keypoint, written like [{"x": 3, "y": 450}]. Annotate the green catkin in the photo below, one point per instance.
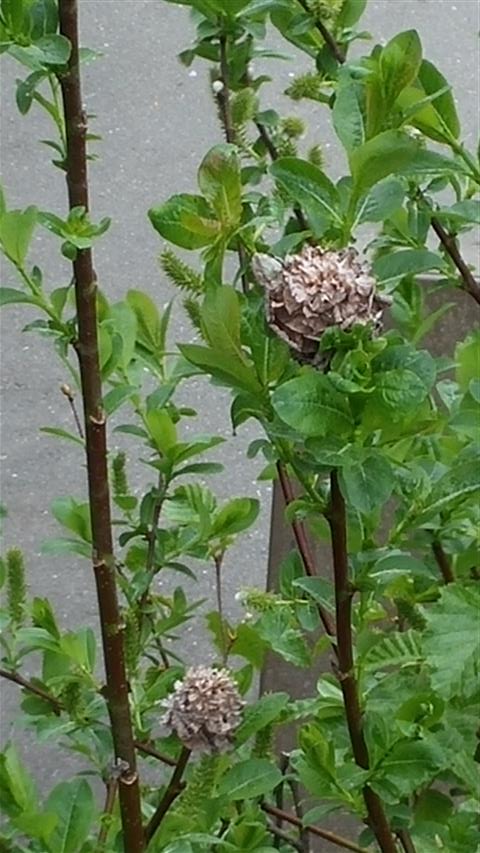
[
  {"x": 306, "y": 86},
  {"x": 326, "y": 11},
  {"x": 72, "y": 700},
  {"x": 286, "y": 148},
  {"x": 16, "y": 586},
  {"x": 132, "y": 640},
  {"x": 192, "y": 307},
  {"x": 292, "y": 127},
  {"x": 244, "y": 106},
  {"x": 183, "y": 276},
  {"x": 261, "y": 602},
  {"x": 315, "y": 156},
  {"x": 119, "y": 474},
  {"x": 200, "y": 787}
]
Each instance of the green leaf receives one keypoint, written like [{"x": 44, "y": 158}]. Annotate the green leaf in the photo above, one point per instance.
[
  {"x": 350, "y": 12},
  {"x": 367, "y": 481},
  {"x": 320, "y": 589},
  {"x": 149, "y": 330},
  {"x": 394, "y": 650},
  {"x": 390, "y": 268},
  {"x": 262, "y": 713},
  {"x": 74, "y": 516},
  {"x": 399, "y": 64},
  {"x": 451, "y": 641},
  {"x": 226, "y": 368},
  {"x": 55, "y": 49},
  {"x": 115, "y": 398},
  {"x": 403, "y": 379},
  {"x": 406, "y": 768},
  {"x": 17, "y": 788},
  {"x": 67, "y": 546},
  {"x": 237, "y": 515},
  {"x": 386, "y": 154},
  {"x": 432, "y": 80},
  {"x": 220, "y": 182},
  {"x": 63, "y": 433},
  {"x": 275, "y": 627},
  {"x": 311, "y": 405},
  {"x": 186, "y": 220},
  {"x": 10, "y": 296},
  {"x": 162, "y": 429},
  {"x": 220, "y": 314},
  {"x": 74, "y": 805},
  {"x": 347, "y": 113},
  {"x": 16, "y": 229},
  {"x": 255, "y": 777},
  {"x": 309, "y": 187},
  {"x": 467, "y": 360},
  {"x": 382, "y": 200},
  {"x": 26, "y": 90}
]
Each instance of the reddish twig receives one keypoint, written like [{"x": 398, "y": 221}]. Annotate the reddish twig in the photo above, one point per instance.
[
  {"x": 336, "y": 517},
  {"x": 116, "y": 690},
  {"x": 469, "y": 282},
  {"x": 332, "y": 837},
  {"x": 443, "y": 562},
  {"x": 148, "y": 749},
  {"x": 303, "y": 545},
  {"x": 173, "y": 789}
]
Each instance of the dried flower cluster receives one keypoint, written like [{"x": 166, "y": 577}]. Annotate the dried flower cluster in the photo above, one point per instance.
[
  {"x": 313, "y": 290},
  {"x": 205, "y": 709}
]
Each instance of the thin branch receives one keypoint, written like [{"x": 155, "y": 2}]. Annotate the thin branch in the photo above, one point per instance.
[
  {"x": 304, "y": 546},
  {"x": 218, "y": 558},
  {"x": 223, "y": 99},
  {"x": 329, "y": 40},
  {"x": 332, "y": 837},
  {"x": 69, "y": 394},
  {"x": 174, "y": 788},
  {"x": 297, "y": 805},
  {"x": 148, "y": 749},
  {"x": 150, "y": 561},
  {"x": 87, "y": 349},
  {"x": 336, "y": 517},
  {"x": 110, "y": 797},
  {"x": 469, "y": 282},
  {"x": 443, "y": 562},
  {"x": 406, "y": 841},
  {"x": 280, "y": 835},
  {"x": 32, "y": 688}
]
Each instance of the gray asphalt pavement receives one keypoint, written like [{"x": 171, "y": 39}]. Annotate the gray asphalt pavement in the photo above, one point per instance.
[{"x": 157, "y": 120}]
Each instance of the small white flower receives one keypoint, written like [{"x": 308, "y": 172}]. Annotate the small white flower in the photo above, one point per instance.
[{"x": 217, "y": 86}]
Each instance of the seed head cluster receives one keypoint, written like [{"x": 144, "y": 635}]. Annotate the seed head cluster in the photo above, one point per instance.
[
  {"x": 204, "y": 709},
  {"x": 309, "y": 292}
]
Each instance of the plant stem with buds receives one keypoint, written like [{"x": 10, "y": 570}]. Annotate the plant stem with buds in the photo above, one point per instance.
[{"x": 116, "y": 690}]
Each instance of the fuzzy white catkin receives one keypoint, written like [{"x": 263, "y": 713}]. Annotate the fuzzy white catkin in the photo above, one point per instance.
[{"x": 205, "y": 709}]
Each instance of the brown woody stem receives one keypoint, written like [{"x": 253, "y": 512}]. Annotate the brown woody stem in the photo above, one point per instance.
[
  {"x": 116, "y": 691},
  {"x": 469, "y": 282},
  {"x": 329, "y": 40},
  {"x": 174, "y": 788},
  {"x": 303, "y": 546},
  {"x": 32, "y": 688},
  {"x": 332, "y": 837},
  {"x": 443, "y": 562},
  {"x": 336, "y": 517}
]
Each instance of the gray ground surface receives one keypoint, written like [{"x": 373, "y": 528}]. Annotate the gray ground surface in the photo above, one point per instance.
[{"x": 157, "y": 120}]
